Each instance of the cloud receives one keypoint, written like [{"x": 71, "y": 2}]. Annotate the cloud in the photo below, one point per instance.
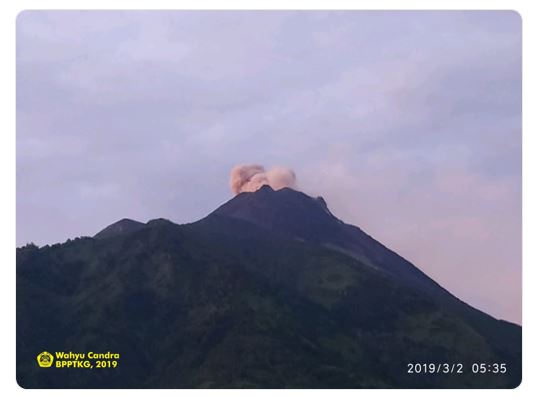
[{"x": 249, "y": 178}]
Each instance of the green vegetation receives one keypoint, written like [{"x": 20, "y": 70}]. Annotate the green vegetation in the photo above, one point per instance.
[{"x": 222, "y": 303}]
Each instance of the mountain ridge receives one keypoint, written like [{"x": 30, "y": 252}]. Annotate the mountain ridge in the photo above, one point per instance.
[
  {"x": 120, "y": 227},
  {"x": 225, "y": 301}
]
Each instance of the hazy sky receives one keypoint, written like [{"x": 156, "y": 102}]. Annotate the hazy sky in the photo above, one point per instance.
[{"x": 408, "y": 123}]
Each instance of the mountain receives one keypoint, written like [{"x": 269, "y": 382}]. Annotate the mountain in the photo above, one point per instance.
[
  {"x": 270, "y": 290},
  {"x": 121, "y": 227},
  {"x": 295, "y": 215}
]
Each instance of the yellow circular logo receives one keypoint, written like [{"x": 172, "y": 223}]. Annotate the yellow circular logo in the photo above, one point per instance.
[{"x": 45, "y": 359}]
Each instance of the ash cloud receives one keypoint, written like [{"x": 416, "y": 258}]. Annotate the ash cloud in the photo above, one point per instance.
[{"x": 249, "y": 178}]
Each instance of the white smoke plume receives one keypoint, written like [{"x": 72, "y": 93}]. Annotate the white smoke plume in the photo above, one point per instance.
[{"x": 249, "y": 178}]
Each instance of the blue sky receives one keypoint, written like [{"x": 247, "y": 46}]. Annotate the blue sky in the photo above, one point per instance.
[{"x": 408, "y": 123}]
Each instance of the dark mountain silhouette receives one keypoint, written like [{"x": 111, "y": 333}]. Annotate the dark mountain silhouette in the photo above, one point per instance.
[
  {"x": 270, "y": 290},
  {"x": 121, "y": 227},
  {"x": 295, "y": 215}
]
